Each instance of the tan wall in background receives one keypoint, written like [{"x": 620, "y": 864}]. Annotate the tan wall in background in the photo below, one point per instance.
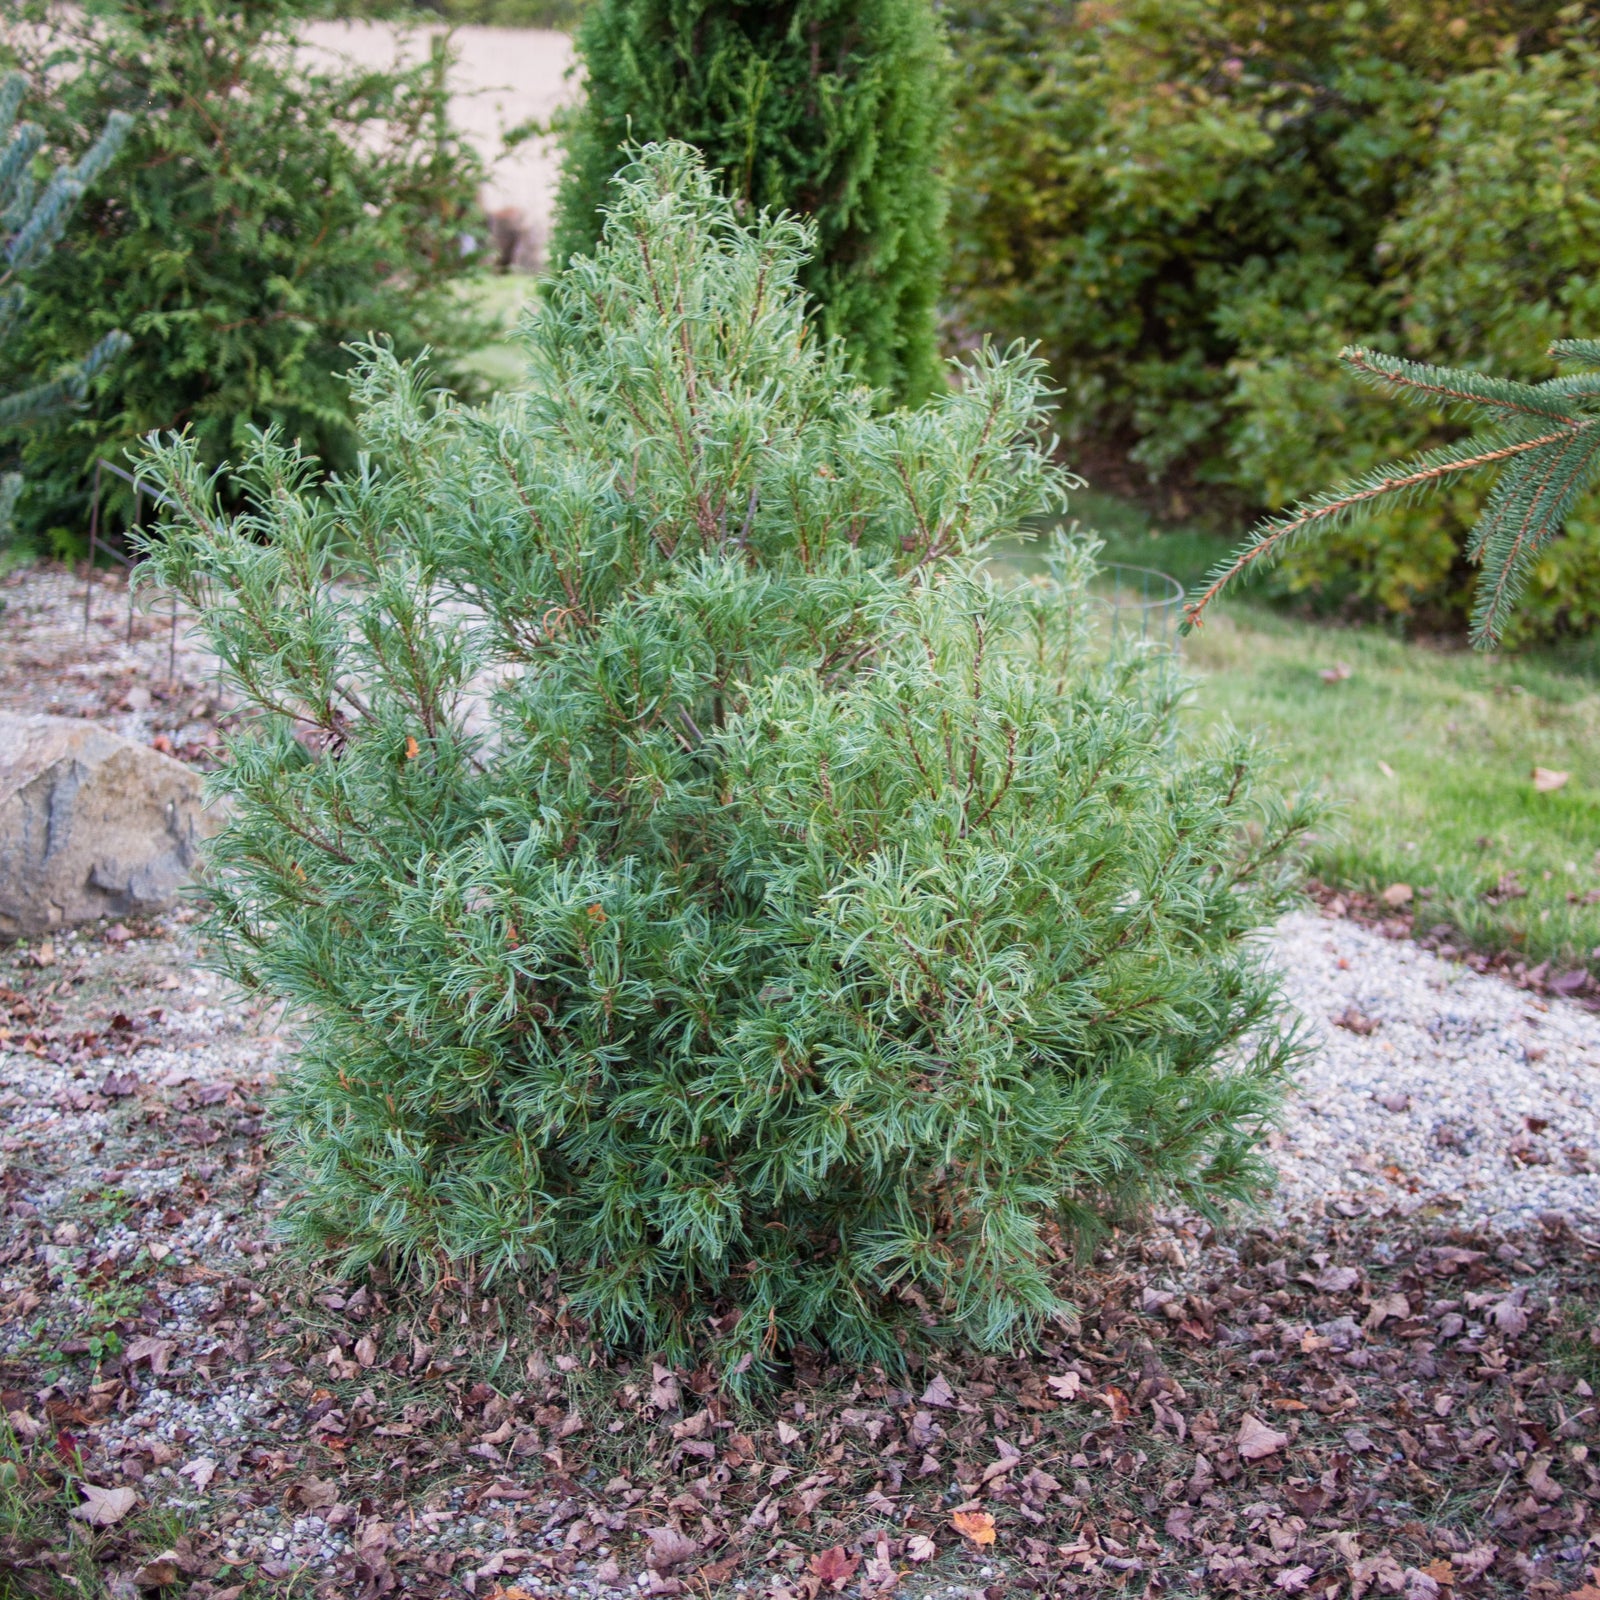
[{"x": 501, "y": 77}]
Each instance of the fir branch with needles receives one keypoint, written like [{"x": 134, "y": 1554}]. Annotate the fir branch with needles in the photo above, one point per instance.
[{"x": 1541, "y": 441}]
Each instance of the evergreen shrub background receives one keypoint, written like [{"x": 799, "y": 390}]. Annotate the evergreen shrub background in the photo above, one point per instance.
[
  {"x": 263, "y": 216},
  {"x": 835, "y": 109},
  {"x": 1195, "y": 204},
  {"x": 34, "y": 211},
  {"x": 697, "y": 882}
]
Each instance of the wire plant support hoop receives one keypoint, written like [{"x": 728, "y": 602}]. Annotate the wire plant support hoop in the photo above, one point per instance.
[
  {"x": 1143, "y": 604},
  {"x": 1137, "y": 605}
]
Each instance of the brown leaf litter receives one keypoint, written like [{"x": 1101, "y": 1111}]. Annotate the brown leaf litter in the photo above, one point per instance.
[{"x": 1351, "y": 1407}]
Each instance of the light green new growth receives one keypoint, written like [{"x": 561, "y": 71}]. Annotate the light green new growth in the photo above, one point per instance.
[
  {"x": 1542, "y": 439},
  {"x": 699, "y": 885},
  {"x": 32, "y": 219}
]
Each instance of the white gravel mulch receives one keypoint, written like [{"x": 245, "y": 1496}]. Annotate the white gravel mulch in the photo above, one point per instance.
[
  {"x": 123, "y": 665},
  {"x": 1431, "y": 1088}
]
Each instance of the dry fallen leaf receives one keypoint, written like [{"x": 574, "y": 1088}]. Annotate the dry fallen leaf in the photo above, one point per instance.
[
  {"x": 919, "y": 1547},
  {"x": 1397, "y": 895},
  {"x": 880, "y": 1573},
  {"x": 978, "y": 1526},
  {"x": 787, "y": 1434},
  {"x": 366, "y": 1350},
  {"x": 25, "y": 1427},
  {"x": 1537, "y": 1477},
  {"x": 1117, "y": 1399},
  {"x": 103, "y": 1508},
  {"x": 835, "y": 1567},
  {"x": 160, "y": 1573},
  {"x": 663, "y": 1387},
  {"x": 1010, "y": 1456},
  {"x": 1352, "y": 1021},
  {"x": 1333, "y": 1280},
  {"x": 1385, "y": 1306},
  {"x": 1257, "y": 1441},
  {"x": 1066, "y": 1385},
  {"x": 317, "y": 1494},
  {"x": 938, "y": 1393},
  {"x": 1546, "y": 780},
  {"x": 202, "y": 1470},
  {"x": 695, "y": 1427},
  {"x": 148, "y": 1348},
  {"x": 669, "y": 1548}
]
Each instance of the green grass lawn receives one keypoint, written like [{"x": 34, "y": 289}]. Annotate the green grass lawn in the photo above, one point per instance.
[
  {"x": 1429, "y": 753},
  {"x": 501, "y": 296}
]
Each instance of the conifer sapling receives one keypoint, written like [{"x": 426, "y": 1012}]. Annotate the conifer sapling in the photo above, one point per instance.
[{"x": 696, "y": 880}]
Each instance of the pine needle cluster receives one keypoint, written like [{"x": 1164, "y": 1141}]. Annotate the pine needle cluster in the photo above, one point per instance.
[
  {"x": 1541, "y": 440},
  {"x": 33, "y": 216},
  {"x": 697, "y": 881}
]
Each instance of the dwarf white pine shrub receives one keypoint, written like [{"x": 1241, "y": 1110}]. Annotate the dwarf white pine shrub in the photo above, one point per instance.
[{"x": 697, "y": 882}]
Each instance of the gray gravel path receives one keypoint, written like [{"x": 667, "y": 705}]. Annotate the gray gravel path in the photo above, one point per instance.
[{"x": 1433, "y": 1089}]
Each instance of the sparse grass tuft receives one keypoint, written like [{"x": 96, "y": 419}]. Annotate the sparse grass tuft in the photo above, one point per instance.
[
  {"x": 48, "y": 1554},
  {"x": 1575, "y": 1346}
]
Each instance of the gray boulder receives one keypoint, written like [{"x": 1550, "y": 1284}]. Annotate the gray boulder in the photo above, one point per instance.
[{"x": 91, "y": 825}]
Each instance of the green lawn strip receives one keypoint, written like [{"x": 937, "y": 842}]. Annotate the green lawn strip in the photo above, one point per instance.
[
  {"x": 1456, "y": 814},
  {"x": 1430, "y": 754}
]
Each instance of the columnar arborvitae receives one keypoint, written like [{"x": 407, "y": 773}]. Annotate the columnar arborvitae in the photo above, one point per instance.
[
  {"x": 697, "y": 881},
  {"x": 834, "y": 109},
  {"x": 33, "y": 217}
]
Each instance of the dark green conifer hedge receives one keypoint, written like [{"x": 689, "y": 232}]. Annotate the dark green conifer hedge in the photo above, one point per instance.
[
  {"x": 834, "y": 109},
  {"x": 696, "y": 880}
]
